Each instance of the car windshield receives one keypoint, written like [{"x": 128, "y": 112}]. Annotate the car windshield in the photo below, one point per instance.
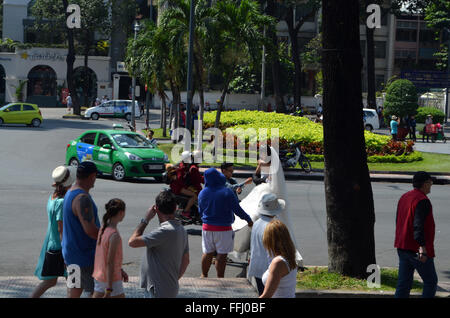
[
  {"x": 6, "y": 106},
  {"x": 131, "y": 141}
]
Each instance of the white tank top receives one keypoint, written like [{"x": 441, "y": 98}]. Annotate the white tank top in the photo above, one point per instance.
[{"x": 286, "y": 288}]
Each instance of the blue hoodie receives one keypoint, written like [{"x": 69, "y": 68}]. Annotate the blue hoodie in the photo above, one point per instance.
[{"x": 217, "y": 203}]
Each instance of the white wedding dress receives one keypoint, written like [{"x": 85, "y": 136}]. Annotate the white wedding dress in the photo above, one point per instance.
[{"x": 276, "y": 184}]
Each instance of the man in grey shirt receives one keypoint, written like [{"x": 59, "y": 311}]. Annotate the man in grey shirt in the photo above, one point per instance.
[{"x": 167, "y": 255}]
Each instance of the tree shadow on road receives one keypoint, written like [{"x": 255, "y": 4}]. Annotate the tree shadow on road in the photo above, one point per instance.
[
  {"x": 148, "y": 180},
  {"x": 53, "y": 124}
]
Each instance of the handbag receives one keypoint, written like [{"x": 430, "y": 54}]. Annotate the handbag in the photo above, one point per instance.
[{"x": 53, "y": 263}]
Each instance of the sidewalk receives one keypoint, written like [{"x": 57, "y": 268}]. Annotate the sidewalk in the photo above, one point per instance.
[{"x": 190, "y": 287}]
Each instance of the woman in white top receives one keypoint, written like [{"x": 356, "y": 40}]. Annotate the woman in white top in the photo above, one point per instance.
[{"x": 281, "y": 278}]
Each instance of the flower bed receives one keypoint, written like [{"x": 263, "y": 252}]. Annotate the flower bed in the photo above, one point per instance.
[{"x": 292, "y": 129}]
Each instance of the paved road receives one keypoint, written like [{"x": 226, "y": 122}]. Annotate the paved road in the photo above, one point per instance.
[{"x": 29, "y": 155}]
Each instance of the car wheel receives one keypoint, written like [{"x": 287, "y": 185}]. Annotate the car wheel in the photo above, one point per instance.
[
  {"x": 95, "y": 116},
  {"x": 118, "y": 172},
  {"x": 128, "y": 117},
  {"x": 1, "y": 121},
  {"x": 36, "y": 122},
  {"x": 74, "y": 162},
  {"x": 369, "y": 128}
]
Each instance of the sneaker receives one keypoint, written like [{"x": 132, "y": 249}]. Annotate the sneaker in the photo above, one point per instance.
[{"x": 185, "y": 217}]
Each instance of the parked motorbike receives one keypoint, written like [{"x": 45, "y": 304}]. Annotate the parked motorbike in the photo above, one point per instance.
[{"x": 293, "y": 155}]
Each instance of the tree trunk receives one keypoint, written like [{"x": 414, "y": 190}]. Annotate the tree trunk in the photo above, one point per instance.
[
  {"x": 371, "y": 97},
  {"x": 70, "y": 62},
  {"x": 164, "y": 117},
  {"x": 348, "y": 191},
  {"x": 220, "y": 106},
  {"x": 87, "y": 79},
  {"x": 275, "y": 61}
]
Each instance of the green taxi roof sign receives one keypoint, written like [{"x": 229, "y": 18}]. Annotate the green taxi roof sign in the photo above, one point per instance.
[{"x": 117, "y": 126}]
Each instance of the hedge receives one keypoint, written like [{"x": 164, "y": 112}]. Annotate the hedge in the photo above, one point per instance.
[
  {"x": 422, "y": 112},
  {"x": 293, "y": 129}
]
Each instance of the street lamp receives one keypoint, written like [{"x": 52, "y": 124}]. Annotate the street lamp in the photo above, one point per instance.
[{"x": 133, "y": 85}]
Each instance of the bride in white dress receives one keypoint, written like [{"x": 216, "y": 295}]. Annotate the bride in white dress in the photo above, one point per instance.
[{"x": 276, "y": 184}]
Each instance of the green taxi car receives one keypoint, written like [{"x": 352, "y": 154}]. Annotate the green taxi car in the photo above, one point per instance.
[
  {"x": 21, "y": 113},
  {"x": 119, "y": 153}
]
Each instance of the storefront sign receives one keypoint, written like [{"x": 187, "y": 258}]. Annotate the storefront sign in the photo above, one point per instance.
[{"x": 45, "y": 56}]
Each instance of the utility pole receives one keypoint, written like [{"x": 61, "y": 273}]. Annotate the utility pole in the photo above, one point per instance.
[
  {"x": 189, "y": 75},
  {"x": 133, "y": 85},
  {"x": 147, "y": 97},
  {"x": 448, "y": 76}
]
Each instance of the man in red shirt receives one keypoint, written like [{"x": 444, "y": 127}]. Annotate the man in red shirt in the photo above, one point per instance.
[{"x": 414, "y": 238}]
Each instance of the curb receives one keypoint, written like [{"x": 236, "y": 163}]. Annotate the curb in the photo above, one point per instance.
[
  {"x": 307, "y": 293},
  {"x": 318, "y": 175}
]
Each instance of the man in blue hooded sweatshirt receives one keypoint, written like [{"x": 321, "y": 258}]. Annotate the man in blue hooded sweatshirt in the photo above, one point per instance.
[{"x": 217, "y": 206}]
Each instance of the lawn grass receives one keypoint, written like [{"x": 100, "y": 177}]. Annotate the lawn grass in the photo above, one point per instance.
[
  {"x": 158, "y": 133},
  {"x": 319, "y": 278},
  {"x": 431, "y": 162}
]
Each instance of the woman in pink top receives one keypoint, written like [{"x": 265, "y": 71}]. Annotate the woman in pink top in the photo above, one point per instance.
[{"x": 108, "y": 272}]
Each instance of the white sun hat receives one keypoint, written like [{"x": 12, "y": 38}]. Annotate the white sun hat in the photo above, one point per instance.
[
  {"x": 270, "y": 205},
  {"x": 65, "y": 175}
]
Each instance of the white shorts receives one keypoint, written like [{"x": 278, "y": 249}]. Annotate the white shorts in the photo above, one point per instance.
[
  {"x": 116, "y": 286},
  {"x": 221, "y": 242}
]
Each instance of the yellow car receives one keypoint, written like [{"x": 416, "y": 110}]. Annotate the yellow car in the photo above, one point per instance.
[{"x": 21, "y": 113}]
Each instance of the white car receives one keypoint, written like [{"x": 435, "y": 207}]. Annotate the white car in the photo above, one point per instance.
[
  {"x": 113, "y": 108},
  {"x": 371, "y": 120}
]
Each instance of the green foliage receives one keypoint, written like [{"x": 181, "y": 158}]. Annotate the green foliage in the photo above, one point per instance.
[
  {"x": 422, "y": 112},
  {"x": 245, "y": 81},
  {"x": 312, "y": 53},
  {"x": 19, "y": 90},
  {"x": 401, "y": 99},
  {"x": 244, "y": 126}
]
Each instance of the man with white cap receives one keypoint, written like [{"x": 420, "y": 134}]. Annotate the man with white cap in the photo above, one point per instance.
[{"x": 269, "y": 207}]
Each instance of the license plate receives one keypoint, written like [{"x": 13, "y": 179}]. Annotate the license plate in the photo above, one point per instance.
[{"x": 154, "y": 167}]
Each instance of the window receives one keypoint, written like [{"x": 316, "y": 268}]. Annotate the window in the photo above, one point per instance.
[
  {"x": 14, "y": 108},
  {"x": 28, "y": 107},
  {"x": 369, "y": 113},
  {"x": 88, "y": 138},
  {"x": 131, "y": 141},
  {"x": 103, "y": 140},
  {"x": 406, "y": 35},
  {"x": 380, "y": 49}
]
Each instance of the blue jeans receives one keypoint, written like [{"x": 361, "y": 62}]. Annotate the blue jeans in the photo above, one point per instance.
[{"x": 408, "y": 262}]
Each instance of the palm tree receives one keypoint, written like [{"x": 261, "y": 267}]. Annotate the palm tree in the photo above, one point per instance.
[
  {"x": 238, "y": 37},
  {"x": 175, "y": 19},
  {"x": 153, "y": 59}
]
